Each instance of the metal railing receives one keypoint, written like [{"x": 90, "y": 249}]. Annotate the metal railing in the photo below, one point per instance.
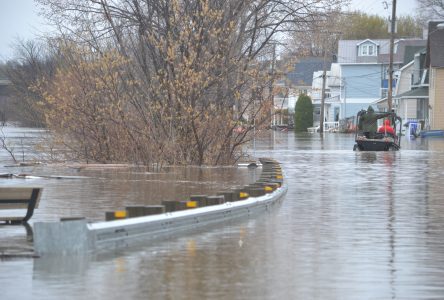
[
  {"x": 331, "y": 126},
  {"x": 328, "y": 126}
]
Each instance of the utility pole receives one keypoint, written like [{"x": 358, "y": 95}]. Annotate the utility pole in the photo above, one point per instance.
[
  {"x": 271, "y": 86},
  {"x": 390, "y": 70},
  {"x": 324, "y": 79},
  {"x": 345, "y": 99}
]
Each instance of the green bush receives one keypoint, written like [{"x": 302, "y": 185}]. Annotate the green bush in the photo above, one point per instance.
[{"x": 303, "y": 117}]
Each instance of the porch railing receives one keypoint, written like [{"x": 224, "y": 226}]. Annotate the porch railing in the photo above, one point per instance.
[
  {"x": 331, "y": 126},
  {"x": 328, "y": 126}
]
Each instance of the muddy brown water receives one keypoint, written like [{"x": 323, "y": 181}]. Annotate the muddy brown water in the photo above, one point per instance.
[{"x": 353, "y": 225}]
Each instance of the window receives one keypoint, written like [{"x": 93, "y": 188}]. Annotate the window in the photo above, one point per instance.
[
  {"x": 364, "y": 50},
  {"x": 384, "y": 73},
  {"x": 367, "y": 49},
  {"x": 421, "y": 109}
]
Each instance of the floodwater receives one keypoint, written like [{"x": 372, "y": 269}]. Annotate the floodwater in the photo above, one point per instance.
[{"x": 353, "y": 225}]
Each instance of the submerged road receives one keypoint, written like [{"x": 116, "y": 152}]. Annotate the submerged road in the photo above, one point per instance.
[{"x": 353, "y": 225}]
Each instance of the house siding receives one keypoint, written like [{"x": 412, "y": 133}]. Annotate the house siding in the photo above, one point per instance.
[
  {"x": 406, "y": 108},
  {"x": 437, "y": 98},
  {"x": 411, "y": 111},
  {"x": 404, "y": 82},
  {"x": 362, "y": 87},
  {"x": 353, "y": 108},
  {"x": 362, "y": 81}
]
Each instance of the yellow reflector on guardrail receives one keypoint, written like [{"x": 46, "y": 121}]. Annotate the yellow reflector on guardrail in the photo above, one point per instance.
[
  {"x": 243, "y": 195},
  {"x": 191, "y": 204},
  {"x": 120, "y": 214}
]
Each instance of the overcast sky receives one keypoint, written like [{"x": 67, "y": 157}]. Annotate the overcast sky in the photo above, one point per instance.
[
  {"x": 19, "y": 19},
  {"x": 403, "y": 7}
]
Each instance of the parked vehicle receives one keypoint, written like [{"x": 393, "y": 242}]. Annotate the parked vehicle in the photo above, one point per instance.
[{"x": 369, "y": 138}]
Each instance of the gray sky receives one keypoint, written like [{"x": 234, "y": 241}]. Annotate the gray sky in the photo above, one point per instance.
[
  {"x": 403, "y": 7},
  {"x": 19, "y": 18}
]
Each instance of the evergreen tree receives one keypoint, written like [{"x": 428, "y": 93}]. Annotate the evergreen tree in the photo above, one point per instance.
[{"x": 303, "y": 117}]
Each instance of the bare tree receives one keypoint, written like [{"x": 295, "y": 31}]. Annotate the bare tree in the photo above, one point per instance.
[
  {"x": 430, "y": 10},
  {"x": 166, "y": 81},
  {"x": 6, "y": 146},
  {"x": 32, "y": 64}
]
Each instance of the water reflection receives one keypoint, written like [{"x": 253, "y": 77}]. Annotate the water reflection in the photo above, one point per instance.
[
  {"x": 353, "y": 225},
  {"x": 95, "y": 190}
]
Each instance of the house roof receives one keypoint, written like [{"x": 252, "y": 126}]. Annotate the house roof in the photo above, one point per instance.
[
  {"x": 347, "y": 50},
  {"x": 435, "y": 44},
  {"x": 367, "y": 40},
  {"x": 411, "y": 51},
  {"x": 302, "y": 74},
  {"x": 421, "y": 92}
]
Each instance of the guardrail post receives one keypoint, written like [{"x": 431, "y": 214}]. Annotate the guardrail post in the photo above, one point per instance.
[
  {"x": 214, "y": 200},
  {"x": 201, "y": 199}
]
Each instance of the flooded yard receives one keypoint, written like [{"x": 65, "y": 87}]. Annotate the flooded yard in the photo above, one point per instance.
[{"x": 353, "y": 225}]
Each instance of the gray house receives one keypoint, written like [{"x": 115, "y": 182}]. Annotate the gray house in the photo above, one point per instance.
[{"x": 301, "y": 77}]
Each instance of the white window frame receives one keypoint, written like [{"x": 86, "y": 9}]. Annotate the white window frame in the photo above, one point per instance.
[
  {"x": 371, "y": 50},
  {"x": 368, "y": 49},
  {"x": 364, "y": 50}
]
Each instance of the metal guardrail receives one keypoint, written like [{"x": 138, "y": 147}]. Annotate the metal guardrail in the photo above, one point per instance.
[{"x": 78, "y": 236}]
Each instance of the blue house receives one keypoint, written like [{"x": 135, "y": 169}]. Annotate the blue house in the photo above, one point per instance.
[{"x": 363, "y": 70}]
